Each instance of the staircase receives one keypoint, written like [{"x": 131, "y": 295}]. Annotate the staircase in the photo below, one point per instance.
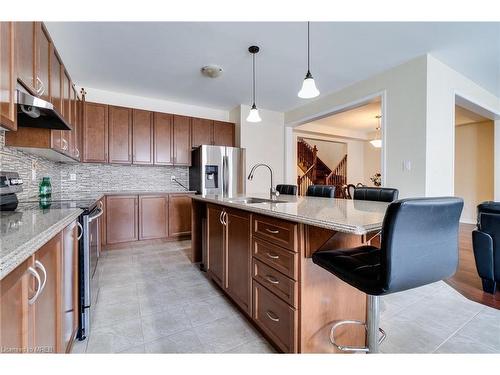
[{"x": 316, "y": 172}]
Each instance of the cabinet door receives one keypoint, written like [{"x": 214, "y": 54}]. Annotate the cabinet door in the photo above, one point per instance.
[
  {"x": 202, "y": 132},
  {"x": 182, "y": 140},
  {"x": 95, "y": 133},
  {"x": 163, "y": 152},
  {"x": 238, "y": 256},
  {"x": 55, "y": 89},
  {"x": 69, "y": 290},
  {"x": 75, "y": 123},
  {"x": 121, "y": 218},
  {"x": 120, "y": 135},
  {"x": 7, "y": 77},
  {"x": 143, "y": 137},
  {"x": 42, "y": 64},
  {"x": 153, "y": 216},
  {"x": 48, "y": 304},
  {"x": 223, "y": 133},
  {"x": 66, "y": 136},
  {"x": 14, "y": 309},
  {"x": 179, "y": 215},
  {"x": 25, "y": 49},
  {"x": 79, "y": 128},
  {"x": 215, "y": 245}
]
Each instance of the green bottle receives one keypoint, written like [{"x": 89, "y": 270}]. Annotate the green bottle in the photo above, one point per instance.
[{"x": 45, "y": 192}]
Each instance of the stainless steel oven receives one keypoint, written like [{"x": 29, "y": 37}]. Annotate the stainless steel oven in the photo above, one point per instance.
[{"x": 90, "y": 248}]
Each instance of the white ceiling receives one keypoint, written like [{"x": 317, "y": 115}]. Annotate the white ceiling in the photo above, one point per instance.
[
  {"x": 360, "y": 118},
  {"x": 163, "y": 60}
]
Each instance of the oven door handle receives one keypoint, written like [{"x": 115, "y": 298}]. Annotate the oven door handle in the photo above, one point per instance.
[{"x": 95, "y": 216}]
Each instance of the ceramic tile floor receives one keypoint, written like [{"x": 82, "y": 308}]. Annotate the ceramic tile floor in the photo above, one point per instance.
[{"x": 153, "y": 300}]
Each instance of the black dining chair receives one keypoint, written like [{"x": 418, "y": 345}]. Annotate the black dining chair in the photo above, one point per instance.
[
  {"x": 366, "y": 193},
  {"x": 325, "y": 191},
  {"x": 419, "y": 247},
  {"x": 286, "y": 189}
]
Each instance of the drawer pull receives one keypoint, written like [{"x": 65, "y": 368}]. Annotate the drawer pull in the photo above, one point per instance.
[
  {"x": 273, "y": 256},
  {"x": 272, "y": 316},
  {"x": 272, "y": 279},
  {"x": 272, "y": 231}
]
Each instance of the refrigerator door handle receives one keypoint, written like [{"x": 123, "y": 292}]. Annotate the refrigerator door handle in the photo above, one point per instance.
[{"x": 225, "y": 175}]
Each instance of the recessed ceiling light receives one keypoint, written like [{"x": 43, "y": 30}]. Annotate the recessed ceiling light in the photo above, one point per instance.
[{"x": 211, "y": 71}]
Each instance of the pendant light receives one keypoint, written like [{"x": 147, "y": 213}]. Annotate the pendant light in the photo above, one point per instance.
[
  {"x": 377, "y": 139},
  {"x": 308, "y": 89},
  {"x": 253, "y": 116}
]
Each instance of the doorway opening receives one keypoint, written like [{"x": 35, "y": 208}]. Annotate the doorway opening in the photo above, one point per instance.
[
  {"x": 474, "y": 161},
  {"x": 344, "y": 147}
]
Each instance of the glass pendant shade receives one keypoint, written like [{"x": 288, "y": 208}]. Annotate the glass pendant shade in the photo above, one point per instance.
[
  {"x": 308, "y": 89},
  {"x": 377, "y": 143},
  {"x": 377, "y": 139},
  {"x": 254, "y": 116}
]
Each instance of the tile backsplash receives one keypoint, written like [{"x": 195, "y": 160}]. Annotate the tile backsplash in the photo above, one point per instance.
[{"x": 89, "y": 177}]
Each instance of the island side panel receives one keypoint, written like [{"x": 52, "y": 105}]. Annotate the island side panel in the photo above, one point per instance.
[
  {"x": 198, "y": 225},
  {"x": 324, "y": 298}
]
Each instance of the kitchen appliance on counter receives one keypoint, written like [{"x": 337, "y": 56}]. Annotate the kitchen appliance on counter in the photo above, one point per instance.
[
  {"x": 218, "y": 170},
  {"x": 10, "y": 185}
]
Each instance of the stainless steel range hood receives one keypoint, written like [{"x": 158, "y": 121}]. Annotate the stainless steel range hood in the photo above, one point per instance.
[{"x": 33, "y": 112}]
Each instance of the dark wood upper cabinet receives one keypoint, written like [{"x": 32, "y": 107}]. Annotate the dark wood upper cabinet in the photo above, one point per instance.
[
  {"x": 66, "y": 100},
  {"x": 121, "y": 218},
  {"x": 7, "y": 77},
  {"x": 120, "y": 135},
  {"x": 142, "y": 130},
  {"x": 179, "y": 215},
  {"x": 153, "y": 217},
  {"x": 223, "y": 133},
  {"x": 95, "y": 133},
  {"x": 238, "y": 258},
  {"x": 25, "y": 52},
  {"x": 55, "y": 81},
  {"x": 182, "y": 140},
  {"x": 162, "y": 138},
  {"x": 215, "y": 244},
  {"x": 42, "y": 63},
  {"x": 202, "y": 132}
]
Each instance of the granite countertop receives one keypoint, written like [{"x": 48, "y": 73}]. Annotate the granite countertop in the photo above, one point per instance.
[
  {"x": 344, "y": 215},
  {"x": 23, "y": 232}
]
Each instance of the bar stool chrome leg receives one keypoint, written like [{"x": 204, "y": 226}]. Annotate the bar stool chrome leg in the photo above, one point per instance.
[{"x": 371, "y": 326}]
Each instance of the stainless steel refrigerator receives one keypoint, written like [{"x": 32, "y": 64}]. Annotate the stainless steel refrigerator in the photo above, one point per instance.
[{"x": 218, "y": 170}]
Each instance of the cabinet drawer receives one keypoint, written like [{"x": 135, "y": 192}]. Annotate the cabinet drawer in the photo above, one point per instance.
[
  {"x": 279, "y": 284},
  {"x": 277, "y": 231},
  {"x": 276, "y": 318},
  {"x": 276, "y": 257}
]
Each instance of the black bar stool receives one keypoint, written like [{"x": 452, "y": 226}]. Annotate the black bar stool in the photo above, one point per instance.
[
  {"x": 286, "y": 189},
  {"x": 419, "y": 247},
  {"x": 375, "y": 194},
  {"x": 325, "y": 191}
]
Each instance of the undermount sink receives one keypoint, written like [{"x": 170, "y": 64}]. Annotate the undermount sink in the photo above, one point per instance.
[{"x": 251, "y": 200}]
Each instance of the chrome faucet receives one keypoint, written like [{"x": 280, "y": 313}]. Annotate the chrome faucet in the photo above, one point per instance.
[{"x": 273, "y": 193}]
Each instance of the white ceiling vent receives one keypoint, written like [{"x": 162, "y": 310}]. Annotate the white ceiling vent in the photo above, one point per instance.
[{"x": 211, "y": 71}]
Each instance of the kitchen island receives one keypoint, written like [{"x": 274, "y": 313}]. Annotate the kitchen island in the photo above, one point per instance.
[{"x": 259, "y": 252}]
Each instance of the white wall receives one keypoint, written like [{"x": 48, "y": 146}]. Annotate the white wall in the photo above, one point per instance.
[
  {"x": 152, "y": 104},
  {"x": 264, "y": 143},
  {"x": 474, "y": 150},
  {"x": 330, "y": 152},
  {"x": 443, "y": 83},
  {"x": 404, "y": 114},
  {"x": 372, "y": 158}
]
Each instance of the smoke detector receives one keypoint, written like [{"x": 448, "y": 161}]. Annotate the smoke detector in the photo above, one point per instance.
[{"x": 211, "y": 71}]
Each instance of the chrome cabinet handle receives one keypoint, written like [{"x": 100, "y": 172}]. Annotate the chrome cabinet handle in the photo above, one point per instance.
[
  {"x": 272, "y": 231},
  {"x": 77, "y": 152},
  {"x": 39, "y": 264},
  {"x": 41, "y": 90},
  {"x": 273, "y": 256},
  {"x": 272, "y": 316},
  {"x": 81, "y": 230},
  {"x": 272, "y": 279},
  {"x": 35, "y": 274},
  {"x": 224, "y": 218},
  {"x": 65, "y": 144},
  {"x": 220, "y": 217},
  {"x": 101, "y": 205}
]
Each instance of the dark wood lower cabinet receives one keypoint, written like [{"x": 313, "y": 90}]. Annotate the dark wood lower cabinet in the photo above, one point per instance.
[
  {"x": 41, "y": 317},
  {"x": 153, "y": 217},
  {"x": 121, "y": 219},
  {"x": 179, "y": 215},
  {"x": 215, "y": 244}
]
